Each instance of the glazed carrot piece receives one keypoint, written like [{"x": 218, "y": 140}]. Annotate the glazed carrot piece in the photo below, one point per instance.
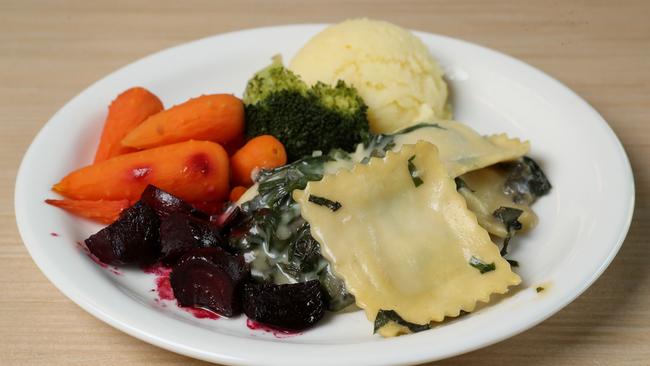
[
  {"x": 100, "y": 210},
  {"x": 237, "y": 192},
  {"x": 217, "y": 117},
  {"x": 191, "y": 170},
  {"x": 261, "y": 152},
  {"x": 125, "y": 113}
]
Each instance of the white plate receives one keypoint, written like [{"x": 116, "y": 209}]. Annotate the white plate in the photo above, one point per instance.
[{"x": 582, "y": 222}]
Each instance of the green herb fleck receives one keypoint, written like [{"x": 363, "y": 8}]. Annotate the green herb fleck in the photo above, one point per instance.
[
  {"x": 508, "y": 216},
  {"x": 322, "y": 201},
  {"x": 481, "y": 266},
  {"x": 414, "y": 172},
  {"x": 460, "y": 184},
  {"x": 539, "y": 289},
  {"x": 513, "y": 263},
  {"x": 417, "y": 127},
  {"x": 386, "y": 316}
]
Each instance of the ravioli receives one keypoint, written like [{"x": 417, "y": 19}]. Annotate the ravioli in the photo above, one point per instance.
[
  {"x": 462, "y": 149},
  {"x": 484, "y": 195},
  {"x": 403, "y": 246}
]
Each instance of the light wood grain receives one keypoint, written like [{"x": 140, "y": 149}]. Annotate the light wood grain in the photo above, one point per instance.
[{"x": 50, "y": 51}]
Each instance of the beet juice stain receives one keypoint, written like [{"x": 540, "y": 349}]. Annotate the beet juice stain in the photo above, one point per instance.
[
  {"x": 278, "y": 333},
  {"x": 165, "y": 293},
  {"x": 112, "y": 269}
]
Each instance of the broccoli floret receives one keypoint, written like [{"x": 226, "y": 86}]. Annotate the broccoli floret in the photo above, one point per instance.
[
  {"x": 273, "y": 78},
  {"x": 304, "y": 119}
]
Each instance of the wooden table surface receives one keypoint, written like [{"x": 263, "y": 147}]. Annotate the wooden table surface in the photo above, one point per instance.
[{"x": 49, "y": 53}]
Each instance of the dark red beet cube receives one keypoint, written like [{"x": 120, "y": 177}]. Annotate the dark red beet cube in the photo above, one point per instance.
[
  {"x": 292, "y": 307},
  {"x": 133, "y": 238},
  {"x": 165, "y": 203},
  {"x": 230, "y": 217},
  {"x": 210, "y": 278},
  {"x": 180, "y": 233}
]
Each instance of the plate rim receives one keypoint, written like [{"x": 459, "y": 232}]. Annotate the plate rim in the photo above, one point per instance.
[{"x": 84, "y": 303}]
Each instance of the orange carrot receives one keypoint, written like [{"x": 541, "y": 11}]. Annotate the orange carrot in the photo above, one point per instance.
[
  {"x": 192, "y": 170},
  {"x": 125, "y": 113},
  {"x": 262, "y": 152},
  {"x": 217, "y": 117},
  {"x": 237, "y": 192},
  {"x": 101, "y": 210}
]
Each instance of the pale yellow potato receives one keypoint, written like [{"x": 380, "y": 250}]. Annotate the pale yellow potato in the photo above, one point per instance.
[{"x": 391, "y": 68}]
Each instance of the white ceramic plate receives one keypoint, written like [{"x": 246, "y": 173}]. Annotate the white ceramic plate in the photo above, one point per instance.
[{"x": 582, "y": 222}]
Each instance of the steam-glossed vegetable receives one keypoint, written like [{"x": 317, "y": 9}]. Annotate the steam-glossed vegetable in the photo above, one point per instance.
[
  {"x": 165, "y": 203},
  {"x": 133, "y": 238},
  {"x": 322, "y": 117},
  {"x": 192, "y": 170},
  {"x": 103, "y": 211},
  {"x": 125, "y": 113},
  {"x": 295, "y": 306},
  {"x": 210, "y": 278},
  {"x": 217, "y": 117},
  {"x": 180, "y": 233},
  {"x": 261, "y": 152}
]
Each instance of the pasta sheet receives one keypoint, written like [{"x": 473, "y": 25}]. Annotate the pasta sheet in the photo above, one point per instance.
[{"x": 401, "y": 247}]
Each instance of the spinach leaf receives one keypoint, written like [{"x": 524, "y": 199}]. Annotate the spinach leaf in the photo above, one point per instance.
[
  {"x": 322, "y": 201},
  {"x": 508, "y": 216},
  {"x": 381, "y": 143},
  {"x": 386, "y": 316},
  {"x": 513, "y": 263},
  {"x": 269, "y": 228},
  {"x": 254, "y": 229},
  {"x": 276, "y": 185},
  {"x": 526, "y": 181},
  {"x": 338, "y": 296},
  {"x": 413, "y": 171},
  {"x": 481, "y": 266},
  {"x": 338, "y": 154},
  {"x": 304, "y": 251},
  {"x": 290, "y": 269}
]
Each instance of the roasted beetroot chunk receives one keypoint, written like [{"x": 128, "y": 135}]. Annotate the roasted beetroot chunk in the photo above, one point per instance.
[
  {"x": 230, "y": 217},
  {"x": 210, "y": 278},
  {"x": 165, "y": 203},
  {"x": 180, "y": 233},
  {"x": 133, "y": 238},
  {"x": 289, "y": 307}
]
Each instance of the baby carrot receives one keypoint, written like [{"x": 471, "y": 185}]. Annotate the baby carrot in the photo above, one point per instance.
[
  {"x": 192, "y": 170},
  {"x": 126, "y": 112},
  {"x": 217, "y": 117},
  {"x": 100, "y": 210},
  {"x": 261, "y": 152}
]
